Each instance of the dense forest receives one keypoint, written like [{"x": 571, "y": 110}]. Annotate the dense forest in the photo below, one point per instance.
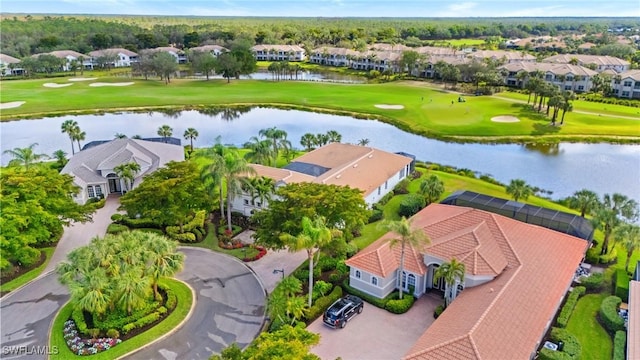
[{"x": 25, "y": 35}]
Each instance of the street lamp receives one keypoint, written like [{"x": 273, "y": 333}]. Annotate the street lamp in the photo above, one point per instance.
[{"x": 275, "y": 271}]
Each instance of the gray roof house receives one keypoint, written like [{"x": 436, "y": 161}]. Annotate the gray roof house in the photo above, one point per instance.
[{"x": 92, "y": 168}]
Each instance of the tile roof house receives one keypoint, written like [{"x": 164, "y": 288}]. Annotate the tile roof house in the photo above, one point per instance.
[
  {"x": 516, "y": 277},
  {"x": 70, "y": 56},
  {"x": 92, "y": 168},
  {"x": 181, "y": 57},
  {"x": 6, "y": 67},
  {"x": 374, "y": 172},
  {"x": 627, "y": 84},
  {"x": 120, "y": 57},
  {"x": 214, "y": 50},
  {"x": 601, "y": 62},
  {"x": 278, "y": 52},
  {"x": 566, "y": 76}
]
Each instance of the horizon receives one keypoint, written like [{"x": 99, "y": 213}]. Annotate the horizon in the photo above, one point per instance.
[{"x": 410, "y": 9}]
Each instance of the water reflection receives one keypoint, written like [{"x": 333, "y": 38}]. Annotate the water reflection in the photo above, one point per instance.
[{"x": 545, "y": 149}]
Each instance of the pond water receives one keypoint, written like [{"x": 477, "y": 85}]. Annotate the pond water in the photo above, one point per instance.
[
  {"x": 327, "y": 76},
  {"x": 563, "y": 168}
]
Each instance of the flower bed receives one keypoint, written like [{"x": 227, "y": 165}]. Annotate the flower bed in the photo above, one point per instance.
[
  {"x": 81, "y": 346},
  {"x": 261, "y": 252}
]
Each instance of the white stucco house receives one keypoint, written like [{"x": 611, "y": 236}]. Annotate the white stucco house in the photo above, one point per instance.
[
  {"x": 599, "y": 62},
  {"x": 516, "y": 276},
  {"x": 121, "y": 57},
  {"x": 214, "y": 50},
  {"x": 278, "y": 52},
  {"x": 627, "y": 84},
  {"x": 9, "y": 65},
  {"x": 70, "y": 56},
  {"x": 373, "y": 171},
  {"x": 179, "y": 55},
  {"x": 92, "y": 168}
]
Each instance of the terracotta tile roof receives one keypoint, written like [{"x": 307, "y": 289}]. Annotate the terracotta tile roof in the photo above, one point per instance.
[
  {"x": 499, "y": 54},
  {"x": 284, "y": 175},
  {"x": 378, "y": 258},
  {"x": 294, "y": 48},
  {"x": 517, "y": 305},
  {"x": 554, "y": 68},
  {"x": 334, "y": 51},
  {"x": 586, "y": 59},
  {"x": 633, "y": 330}
]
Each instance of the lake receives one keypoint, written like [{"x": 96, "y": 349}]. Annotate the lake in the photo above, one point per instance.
[{"x": 562, "y": 169}]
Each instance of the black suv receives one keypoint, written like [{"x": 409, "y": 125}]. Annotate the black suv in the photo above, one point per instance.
[{"x": 342, "y": 311}]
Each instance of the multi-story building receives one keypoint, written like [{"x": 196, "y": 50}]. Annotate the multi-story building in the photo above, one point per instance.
[
  {"x": 278, "y": 53},
  {"x": 214, "y": 50},
  {"x": 117, "y": 57},
  {"x": 627, "y": 84},
  {"x": 179, "y": 55},
  {"x": 70, "y": 57},
  {"x": 566, "y": 76},
  {"x": 597, "y": 62}
]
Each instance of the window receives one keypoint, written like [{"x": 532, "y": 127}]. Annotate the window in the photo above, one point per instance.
[
  {"x": 637, "y": 85},
  {"x": 258, "y": 204},
  {"x": 625, "y": 94},
  {"x": 401, "y": 173},
  {"x": 548, "y": 77},
  {"x": 567, "y": 87},
  {"x": 379, "y": 189},
  {"x": 628, "y": 83},
  {"x": 374, "y": 281},
  {"x": 90, "y": 191},
  {"x": 581, "y": 87},
  {"x": 99, "y": 190},
  {"x": 358, "y": 274},
  {"x": 246, "y": 201},
  {"x": 386, "y": 184},
  {"x": 569, "y": 78}
]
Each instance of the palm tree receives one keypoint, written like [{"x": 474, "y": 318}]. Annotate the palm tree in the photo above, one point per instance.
[
  {"x": 521, "y": 76},
  {"x": 69, "y": 127},
  {"x": 92, "y": 292},
  {"x": 190, "y": 134},
  {"x": 260, "y": 151},
  {"x": 162, "y": 259},
  {"x": 314, "y": 236},
  {"x": 212, "y": 174},
  {"x": 583, "y": 200},
  {"x": 296, "y": 308},
  {"x": 25, "y": 156},
  {"x": 261, "y": 188},
  {"x": 406, "y": 236},
  {"x": 78, "y": 136},
  {"x": 363, "y": 142},
  {"x": 278, "y": 139},
  {"x": 567, "y": 97},
  {"x": 334, "y": 136},
  {"x": 132, "y": 289},
  {"x": 165, "y": 131},
  {"x": 120, "y": 136},
  {"x": 452, "y": 273},
  {"x": 61, "y": 158},
  {"x": 629, "y": 237},
  {"x": 308, "y": 140},
  {"x": 519, "y": 189},
  {"x": 235, "y": 171},
  {"x": 432, "y": 188},
  {"x": 609, "y": 215},
  {"x": 127, "y": 171}
]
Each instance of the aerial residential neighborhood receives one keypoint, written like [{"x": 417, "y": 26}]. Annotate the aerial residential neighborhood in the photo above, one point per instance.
[{"x": 330, "y": 180}]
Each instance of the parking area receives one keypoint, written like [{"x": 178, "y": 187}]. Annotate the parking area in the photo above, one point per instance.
[{"x": 376, "y": 334}]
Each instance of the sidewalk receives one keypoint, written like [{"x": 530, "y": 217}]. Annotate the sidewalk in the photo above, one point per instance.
[{"x": 276, "y": 260}]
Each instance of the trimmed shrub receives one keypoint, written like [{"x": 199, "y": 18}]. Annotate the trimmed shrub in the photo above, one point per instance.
[
  {"x": 138, "y": 223},
  {"x": 78, "y": 317},
  {"x": 116, "y": 228},
  {"x": 113, "y": 333},
  {"x": 162, "y": 310},
  {"x": 593, "y": 256},
  {"x": 302, "y": 275},
  {"x": 144, "y": 321},
  {"x": 400, "y": 306},
  {"x": 620, "y": 345},
  {"x": 402, "y": 187},
  {"x": 335, "y": 277},
  {"x": 622, "y": 285},
  {"x": 184, "y": 237},
  {"x": 384, "y": 200},
  {"x": 94, "y": 333},
  {"x": 593, "y": 282},
  {"x": 127, "y": 328},
  {"x": 609, "y": 258},
  {"x": 320, "y": 288},
  {"x": 608, "y": 314},
  {"x": 438, "y": 311},
  {"x": 376, "y": 215},
  {"x": 117, "y": 218},
  {"x": 571, "y": 350},
  {"x": 569, "y": 305},
  {"x": 327, "y": 263},
  {"x": 411, "y": 204}
]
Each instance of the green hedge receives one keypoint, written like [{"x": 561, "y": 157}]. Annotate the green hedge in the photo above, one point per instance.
[
  {"x": 593, "y": 256},
  {"x": 364, "y": 296},
  {"x": 593, "y": 282},
  {"x": 400, "y": 306},
  {"x": 322, "y": 303},
  {"x": 411, "y": 204},
  {"x": 116, "y": 228},
  {"x": 620, "y": 345},
  {"x": 78, "y": 317},
  {"x": 610, "y": 257},
  {"x": 608, "y": 314},
  {"x": 569, "y": 305},
  {"x": 622, "y": 284},
  {"x": 571, "y": 349}
]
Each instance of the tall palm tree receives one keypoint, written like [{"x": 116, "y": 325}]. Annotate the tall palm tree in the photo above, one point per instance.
[
  {"x": 132, "y": 289},
  {"x": 69, "y": 127},
  {"x": 363, "y": 142},
  {"x": 128, "y": 172},
  {"x": 25, "y": 156},
  {"x": 212, "y": 174},
  {"x": 452, "y": 272},
  {"x": 235, "y": 171},
  {"x": 405, "y": 236},
  {"x": 191, "y": 134},
  {"x": 629, "y": 237},
  {"x": 78, "y": 136},
  {"x": 610, "y": 213},
  {"x": 432, "y": 188},
  {"x": 583, "y": 200},
  {"x": 61, "y": 157},
  {"x": 162, "y": 259},
  {"x": 568, "y": 97},
  {"x": 260, "y": 151},
  {"x": 334, "y": 136},
  {"x": 308, "y": 140},
  {"x": 519, "y": 189},
  {"x": 262, "y": 188},
  {"x": 165, "y": 131},
  {"x": 314, "y": 236},
  {"x": 278, "y": 140}
]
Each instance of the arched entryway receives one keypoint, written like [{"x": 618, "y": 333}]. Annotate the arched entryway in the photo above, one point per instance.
[{"x": 115, "y": 185}]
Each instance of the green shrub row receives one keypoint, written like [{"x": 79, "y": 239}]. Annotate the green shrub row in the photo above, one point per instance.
[
  {"x": 364, "y": 296},
  {"x": 571, "y": 350},
  {"x": 184, "y": 237},
  {"x": 320, "y": 289},
  {"x": 593, "y": 282},
  {"x": 78, "y": 317},
  {"x": 411, "y": 204},
  {"x": 610, "y": 100},
  {"x": 320, "y": 305},
  {"x": 620, "y": 345},
  {"x": 593, "y": 256},
  {"x": 119, "y": 319},
  {"x": 115, "y": 228},
  {"x": 622, "y": 285},
  {"x": 608, "y": 314},
  {"x": 172, "y": 298},
  {"x": 133, "y": 223},
  {"x": 376, "y": 214},
  {"x": 400, "y": 306},
  {"x": 569, "y": 305}
]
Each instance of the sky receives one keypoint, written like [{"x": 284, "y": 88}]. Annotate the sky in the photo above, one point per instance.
[{"x": 331, "y": 8}]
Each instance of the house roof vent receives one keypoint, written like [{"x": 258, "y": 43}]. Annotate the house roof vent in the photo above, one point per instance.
[
  {"x": 338, "y": 176},
  {"x": 355, "y": 165},
  {"x": 370, "y": 156}
]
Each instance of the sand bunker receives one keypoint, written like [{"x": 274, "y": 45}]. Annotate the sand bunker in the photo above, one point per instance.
[
  {"x": 389, "y": 107},
  {"x": 82, "y": 79},
  {"x": 98, "y": 84},
  {"x": 505, "y": 119},
  {"x": 11, "y": 105},
  {"x": 54, "y": 85}
]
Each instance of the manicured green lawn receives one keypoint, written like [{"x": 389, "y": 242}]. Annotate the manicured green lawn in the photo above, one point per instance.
[
  {"x": 596, "y": 342},
  {"x": 464, "y": 42},
  {"x": 185, "y": 300},
  {"x": 434, "y": 116},
  {"x": 581, "y": 105},
  {"x": 28, "y": 276}
]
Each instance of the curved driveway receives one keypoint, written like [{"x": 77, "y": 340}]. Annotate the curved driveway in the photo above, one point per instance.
[{"x": 229, "y": 308}]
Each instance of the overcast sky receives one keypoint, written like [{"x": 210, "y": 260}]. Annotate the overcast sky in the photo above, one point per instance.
[{"x": 330, "y": 8}]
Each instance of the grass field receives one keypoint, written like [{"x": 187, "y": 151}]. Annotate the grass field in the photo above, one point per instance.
[
  {"x": 427, "y": 110},
  {"x": 596, "y": 342}
]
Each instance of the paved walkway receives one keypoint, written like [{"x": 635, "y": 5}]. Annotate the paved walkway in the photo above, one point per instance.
[{"x": 78, "y": 234}]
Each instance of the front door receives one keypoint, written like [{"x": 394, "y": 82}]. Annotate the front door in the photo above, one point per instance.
[{"x": 114, "y": 185}]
